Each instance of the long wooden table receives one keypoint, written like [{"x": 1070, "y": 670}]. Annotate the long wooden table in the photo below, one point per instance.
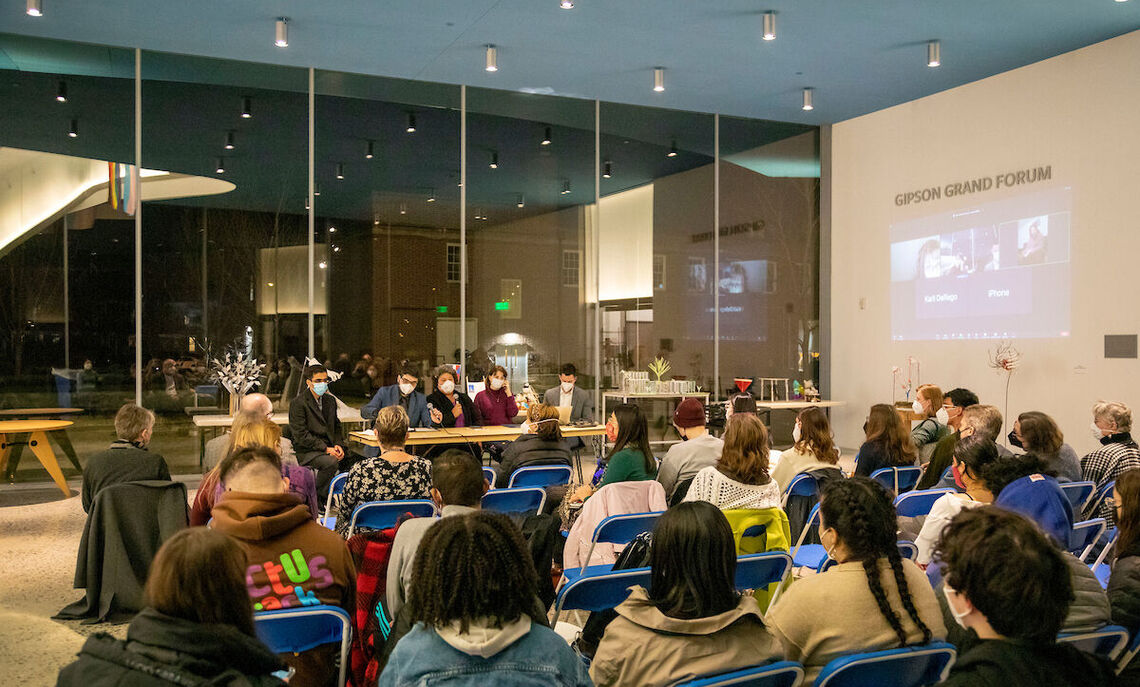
[
  {"x": 60, "y": 436},
  {"x": 12, "y": 433},
  {"x": 463, "y": 435}
]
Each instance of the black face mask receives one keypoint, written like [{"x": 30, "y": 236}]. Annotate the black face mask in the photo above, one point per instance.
[
  {"x": 1013, "y": 440},
  {"x": 864, "y": 428}
]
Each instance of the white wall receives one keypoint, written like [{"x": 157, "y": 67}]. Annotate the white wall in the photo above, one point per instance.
[{"x": 1079, "y": 113}]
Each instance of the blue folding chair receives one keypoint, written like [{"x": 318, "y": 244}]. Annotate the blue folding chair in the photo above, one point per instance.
[
  {"x": 1127, "y": 656},
  {"x": 809, "y": 555},
  {"x": 907, "y": 550},
  {"x": 523, "y": 500},
  {"x": 336, "y": 486},
  {"x": 759, "y": 571},
  {"x": 1107, "y": 642},
  {"x": 1078, "y": 493},
  {"x": 616, "y": 529},
  {"x": 293, "y": 630},
  {"x": 383, "y": 514},
  {"x": 1084, "y": 537},
  {"x": 897, "y": 479},
  {"x": 599, "y": 592},
  {"x": 913, "y": 666},
  {"x": 803, "y": 484},
  {"x": 781, "y": 674},
  {"x": 540, "y": 476},
  {"x": 1092, "y": 506},
  {"x": 913, "y": 504},
  {"x": 489, "y": 475}
]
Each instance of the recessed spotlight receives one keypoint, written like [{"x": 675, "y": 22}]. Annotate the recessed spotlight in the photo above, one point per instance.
[
  {"x": 492, "y": 61},
  {"x": 808, "y": 104},
  {"x": 336, "y": 249},
  {"x": 246, "y": 107},
  {"x": 607, "y": 169},
  {"x": 35, "y": 8},
  {"x": 73, "y": 132},
  {"x": 769, "y": 26},
  {"x": 411, "y": 128},
  {"x": 934, "y": 53},
  {"x": 322, "y": 264},
  {"x": 220, "y": 168},
  {"x": 520, "y": 201},
  {"x": 431, "y": 196},
  {"x": 569, "y": 4},
  {"x": 546, "y": 139},
  {"x": 282, "y": 38},
  {"x": 332, "y": 230},
  {"x": 61, "y": 93},
  {"x": 494, "y": 164},
  {"x": 340, "y": 170},
  {"x": 672, "y": 150},
  {"x": 370, "y": 150},
  {"x": 566, "y": 187},
  {"x": 229, "y": 144},
  {"x": 403, "y": 208},
  {"x": 659, "y": 79}
]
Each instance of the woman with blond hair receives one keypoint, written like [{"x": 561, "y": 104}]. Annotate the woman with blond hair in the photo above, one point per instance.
[
  {"x": 541, "y": 443},
  {"x": 740, "y": 478},
  {"x": 929, "y": 431},
  {"x": 253, "y": 429}
]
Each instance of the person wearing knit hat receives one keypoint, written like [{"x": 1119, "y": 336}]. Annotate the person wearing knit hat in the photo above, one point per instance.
[{"x": 698, "y": 449}]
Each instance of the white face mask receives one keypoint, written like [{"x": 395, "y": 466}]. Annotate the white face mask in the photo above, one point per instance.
[
  {"x": 958, "y": 617},
  {"x": 447, "y": 386},
  {"x": 1096, "y": 432},
  {"x": 406, "y": 388},
  {"x": 567, "y": 387},
  {"x": 796, "y": 434},
  {"x": 942, "y": 416},
  {"x": 917, "y": 407},
  {"x": 525, "y": 427},
  {"x": 496, "y": 383}
]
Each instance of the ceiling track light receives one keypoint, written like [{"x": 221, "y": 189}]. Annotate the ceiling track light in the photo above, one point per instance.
[
  {"x": 659, "y": 79},
  {"x": 403, "y": 208},
  {"x": 246, "y": 107},
  {"x": 282, "y": 36},
  {"x": 411, "y": 128},
  {"x": 569, "y": 4},
  {"x": 220, "y": 168},
  {"x": 431, "y": 196},
  {"x": 492, "y": 62},
  {"x": 61, "y": 93},
  {"x": 934, "y": 53},
  {"x": 769, "y": 26},
  {"x": 340, "y": 170},
  {"x": 546, "y": 138},
  {"x": 316, "y": 189},
  {"x": 370, "y": 150},
  {"x": 230, "y": 143},
  {"x": 494, "y": 164},
  {"x": 520, "y": 201},
  {"x": 35, "y": 8},
  {"x": 566, "y": 187},
  {"x": 672, "y": 150},
  {"x": 73, "y": 132},
  {"x": 808, "y": 104},
  {"x": 607, "y": 169}
]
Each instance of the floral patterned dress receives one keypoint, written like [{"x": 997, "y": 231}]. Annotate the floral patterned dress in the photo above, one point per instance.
[{"x": 378, "y": 479}]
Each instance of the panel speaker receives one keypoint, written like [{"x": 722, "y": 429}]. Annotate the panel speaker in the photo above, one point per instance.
[{"x": 1120, "y": 345}]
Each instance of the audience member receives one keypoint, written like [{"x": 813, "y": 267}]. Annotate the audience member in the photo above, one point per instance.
[
  {"x": 197, "y": 628},
  {"x": 698, "y": 449},
  {"x": 253, "y": 405},
  {"x": 456, "y": 407},
  {"x": 317, "y": 435},
  {"x": 1124, "y": 583},
  {"x": 394, "y": 475},
  {"x": 1117, "y": 454},
  {"x": 293, "y": 562},
  {"x": 740, "y": 478},
  {"x": 812, "y": 449},
  {"x": 691, "y": 621},
  {"x": 275, "y": 384},
  {"x": 822, "y": 617},
  {"x": 253, "y": 429},
  {"x": 976, "y": 420},
  {"x": 929, "y": 431},
  {"x": 404, "y": 394},
  {"x": 478, "y": 619},
  {"x": 457, "y": 488},
  {"x": 971, "y": 457},
  {"x": 1038, "y": 434},
  {"x": 630, "y": 459},
  {"x": 740, "y": 403},
  {"x": 127, "y": 459},
  {"x": 496, "y": 404},
  {"x": 540, "y": 444},
  {"x": 887, "y": 442},
  {"x": 1006, "y": 584}
]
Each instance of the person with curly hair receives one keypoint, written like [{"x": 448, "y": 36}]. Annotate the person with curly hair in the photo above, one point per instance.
[
  {"x": 740, "y": 478},
  {"x": 478, "y": 620},
  {"x": 1006, "y": 583},
  {"x": 823, "y": 617}
]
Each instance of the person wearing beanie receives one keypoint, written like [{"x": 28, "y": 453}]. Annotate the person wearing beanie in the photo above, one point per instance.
[{"x": 698, "y": 449}]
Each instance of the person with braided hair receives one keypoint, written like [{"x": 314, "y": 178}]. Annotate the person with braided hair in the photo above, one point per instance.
[
  {"x": 871, "y": 600},
  {"x": 478, "y": 620}
]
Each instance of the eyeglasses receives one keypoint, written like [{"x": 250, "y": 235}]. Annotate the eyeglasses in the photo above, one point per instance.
[{"x": 1110, "y": 502}]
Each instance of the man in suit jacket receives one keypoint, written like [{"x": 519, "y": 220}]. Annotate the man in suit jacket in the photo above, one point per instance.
[
  {"x": 127, "y": 459},
  {"x": 317, "y": 436},
  {"x": 402, "y": 393},
  {"x": 567, "y": 393}
]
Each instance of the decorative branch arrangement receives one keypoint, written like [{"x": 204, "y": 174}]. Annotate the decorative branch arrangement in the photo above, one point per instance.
[
  {"x": 236, "y": 371},
  {"x": 911, "y": 381},
  {"x": 659, "y": 367},
  {"x": 1005, "y": 359}
]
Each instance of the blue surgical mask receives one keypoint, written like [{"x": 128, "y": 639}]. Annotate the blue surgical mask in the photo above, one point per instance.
[{"x": 319, "y": 388}]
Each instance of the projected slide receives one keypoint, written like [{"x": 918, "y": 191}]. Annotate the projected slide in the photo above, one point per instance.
[{"x": 991, "y": 271}]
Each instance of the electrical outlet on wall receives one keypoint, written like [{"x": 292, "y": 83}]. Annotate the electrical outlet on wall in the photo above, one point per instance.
[{"x": 862, "y": 303}]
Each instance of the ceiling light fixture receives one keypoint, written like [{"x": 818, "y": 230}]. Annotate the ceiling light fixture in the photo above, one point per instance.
[
  {"x": 229, "y": 144},
  {"x": 370, "y": 150},
  {"x": 35, "y": 8},
  {"x": 316, "y": 189},
  {"x": 332, "y": 230},
  {"x": 569, "y": 4},
  {"x": 566, "y": 187},
  {"x": 73, "y": 132},
  {"x": 659, "y": 79},
  {"x": 411, "y": 123},
  {"x": 934, "y": 53},
  {"x": 403, "y": 208},
  {"x": 808, "y": 104},
  {"x": 246, "y": 107},
  {"x": 520, "y": 201},
  {"x": 61, "y": 94},
  {"x": 282, "y": 39},
  {"x": 340, "y": 170},
  {"x": 220, "y": 168},
  {"x": 546, "y": 136},
  {"x": 431, "y": 196},
  {"x": 607, "y": 169},
  {"x": 322, "y": 264},
  {"x": 769, "y": 26},
  {"x": 494, "y": 164},
  {"x": 492, "y": 58},
  {"x": 672, "y": 150}
]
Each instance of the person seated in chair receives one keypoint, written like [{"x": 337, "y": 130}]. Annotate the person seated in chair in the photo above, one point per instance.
[
  {"x": 403, "y": 393},
  {"x": 541, "y": 443},
  {"x": 316, "y": 432},
  {"x": 568, "y": 395},
  {"x": 740, "y": 477},
  {"x": 292, "y": 561},
  {"x": 698, "y": 449},
  {"x": 127, "y": 459}
]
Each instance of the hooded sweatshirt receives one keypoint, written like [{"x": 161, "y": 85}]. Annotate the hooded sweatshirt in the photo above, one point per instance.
[
  {"x": 1012, "y": 663},
  {"x": 643, "y": 646}
]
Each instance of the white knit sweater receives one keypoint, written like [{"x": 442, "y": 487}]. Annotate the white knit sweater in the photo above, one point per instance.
[{"x": 726, "y": 493}]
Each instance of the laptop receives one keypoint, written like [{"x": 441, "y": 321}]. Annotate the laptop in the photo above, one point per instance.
[{"x": 564, "y": 415}]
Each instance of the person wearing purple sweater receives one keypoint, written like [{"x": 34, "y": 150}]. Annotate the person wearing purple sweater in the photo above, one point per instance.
[{"x": 496, "y": 404}]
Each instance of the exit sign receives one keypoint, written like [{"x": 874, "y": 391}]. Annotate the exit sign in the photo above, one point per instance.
[
  {"x": 503, "y": 305},
  {"x": 441, "y": 309}
]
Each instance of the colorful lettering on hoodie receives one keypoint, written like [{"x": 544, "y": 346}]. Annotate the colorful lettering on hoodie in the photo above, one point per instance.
[{"x": 291, "y": 582}]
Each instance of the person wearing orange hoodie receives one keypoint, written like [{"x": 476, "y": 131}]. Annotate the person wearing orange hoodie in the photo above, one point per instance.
[{"x": 292, "y": 561}]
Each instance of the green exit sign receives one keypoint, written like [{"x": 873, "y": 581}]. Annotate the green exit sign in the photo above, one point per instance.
[
  {"x": 441, "y": 309},
  {"x": 503, "y": 305}
]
